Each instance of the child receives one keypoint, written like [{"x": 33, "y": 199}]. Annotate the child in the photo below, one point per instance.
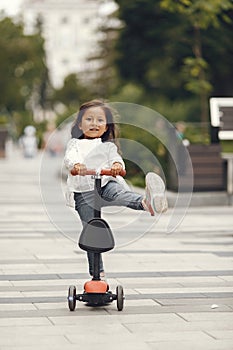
[
  {"x": 93, "y": 146},
  {"x": 29, "y": 142}
]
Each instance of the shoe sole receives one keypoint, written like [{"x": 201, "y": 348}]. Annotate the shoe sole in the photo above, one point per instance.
[{"x": 156, "y": 188}]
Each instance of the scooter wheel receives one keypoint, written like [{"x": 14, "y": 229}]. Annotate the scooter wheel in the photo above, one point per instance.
[
  {"x": 120, "y": 298},
  {"x": 72, "y": 298}
]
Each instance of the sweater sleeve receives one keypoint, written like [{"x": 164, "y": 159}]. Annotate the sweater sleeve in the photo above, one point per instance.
[
  {"x": 72, "y": 155},
  {"x": 114, "y": 155}
]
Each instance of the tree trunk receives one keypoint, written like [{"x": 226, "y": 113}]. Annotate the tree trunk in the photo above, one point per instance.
[{"x": 197, "y": 49}]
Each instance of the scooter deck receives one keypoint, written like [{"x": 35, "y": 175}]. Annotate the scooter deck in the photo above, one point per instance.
[{"x": 96, "y": 299}]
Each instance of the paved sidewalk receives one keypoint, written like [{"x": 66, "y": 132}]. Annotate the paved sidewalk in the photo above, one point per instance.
[{"x": 178, "y": 287}]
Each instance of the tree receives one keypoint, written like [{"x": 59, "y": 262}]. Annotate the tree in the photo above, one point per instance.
[
  {"x": 71, "y": 93},
  {"x": 106, "y": 76},
  {"x": 201, "y": 15},
  {"x": 154, "y": 49},
  {"x": 69, "y": 97},
  {"x": 23, "y": 70},
  {"x": 150, "y": 46}
]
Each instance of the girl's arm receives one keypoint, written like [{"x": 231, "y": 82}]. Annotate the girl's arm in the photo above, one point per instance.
[
  {"x": 72, "y": 156},
  {"x": 116, "y": 161}
]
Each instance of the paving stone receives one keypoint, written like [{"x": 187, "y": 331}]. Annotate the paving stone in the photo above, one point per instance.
[
  {"x": 15, "y": 307},
  {"x": 29, "y": 341},
  {"x": 209, "y": 344},
  {"x": 223, "y": 334},
  {"x": 24, "y": 321},
  {"x": 226, "y": 316},
  {"x": 198, "y": 301}
]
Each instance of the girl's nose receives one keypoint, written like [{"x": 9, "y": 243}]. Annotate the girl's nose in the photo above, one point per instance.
[{"x": 95, "y": 122}]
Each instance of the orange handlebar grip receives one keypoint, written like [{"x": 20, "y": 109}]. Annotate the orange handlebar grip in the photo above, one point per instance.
[
  {"x": 108, "y": 172},
  {"x": 102, "y": 172}
]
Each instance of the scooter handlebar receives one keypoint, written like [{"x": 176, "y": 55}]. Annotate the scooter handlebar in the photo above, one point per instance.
[{"x": 107, "y": 172}]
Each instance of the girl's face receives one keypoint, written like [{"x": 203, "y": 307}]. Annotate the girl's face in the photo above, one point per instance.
[{"x": 94, "y": 123}]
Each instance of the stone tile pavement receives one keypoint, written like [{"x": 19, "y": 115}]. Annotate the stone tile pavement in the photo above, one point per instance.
[{"x": 178, "y": 287}]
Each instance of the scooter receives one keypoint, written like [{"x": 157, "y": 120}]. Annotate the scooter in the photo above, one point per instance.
[{"x": 96, "y": 237}]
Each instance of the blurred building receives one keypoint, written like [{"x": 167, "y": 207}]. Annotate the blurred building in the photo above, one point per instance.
[{"x": 70, "y": 30}]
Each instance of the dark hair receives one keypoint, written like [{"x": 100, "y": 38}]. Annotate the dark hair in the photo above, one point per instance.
[{"x": 112, "y": 131}]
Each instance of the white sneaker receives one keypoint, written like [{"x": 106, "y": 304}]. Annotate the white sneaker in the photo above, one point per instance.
[{"x": 155, "y": 201}]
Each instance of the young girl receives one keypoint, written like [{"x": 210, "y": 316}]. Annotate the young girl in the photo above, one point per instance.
[{"x": 93, "y": 146}]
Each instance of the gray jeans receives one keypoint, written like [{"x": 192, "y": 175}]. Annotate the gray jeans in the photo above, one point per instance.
[{"x": 112, "y": 194}]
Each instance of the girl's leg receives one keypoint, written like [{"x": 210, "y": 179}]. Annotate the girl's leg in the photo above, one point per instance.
[
  {"x": 84, "y": 205},
  {"x": 154, "y": 202},
  {"x": 114, "y": 194}
]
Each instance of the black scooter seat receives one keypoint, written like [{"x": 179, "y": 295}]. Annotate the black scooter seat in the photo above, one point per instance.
[{"x": 96, "y": 237}]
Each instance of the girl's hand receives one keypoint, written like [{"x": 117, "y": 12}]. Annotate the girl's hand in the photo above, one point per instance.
[
  {"x": 80, "y": 169},
  {"x": 116, "y": 168}
]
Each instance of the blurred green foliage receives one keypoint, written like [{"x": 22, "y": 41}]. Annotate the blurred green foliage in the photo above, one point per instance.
[
  {"x": 194, "y": 134},
  {"x": 23, "y": 74},
  {"x": 143, "y": 152},
  {"x": 227, "y": 146}
]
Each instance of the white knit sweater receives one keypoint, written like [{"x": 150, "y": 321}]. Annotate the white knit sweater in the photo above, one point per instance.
[{"x": 95, "y": 154}]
